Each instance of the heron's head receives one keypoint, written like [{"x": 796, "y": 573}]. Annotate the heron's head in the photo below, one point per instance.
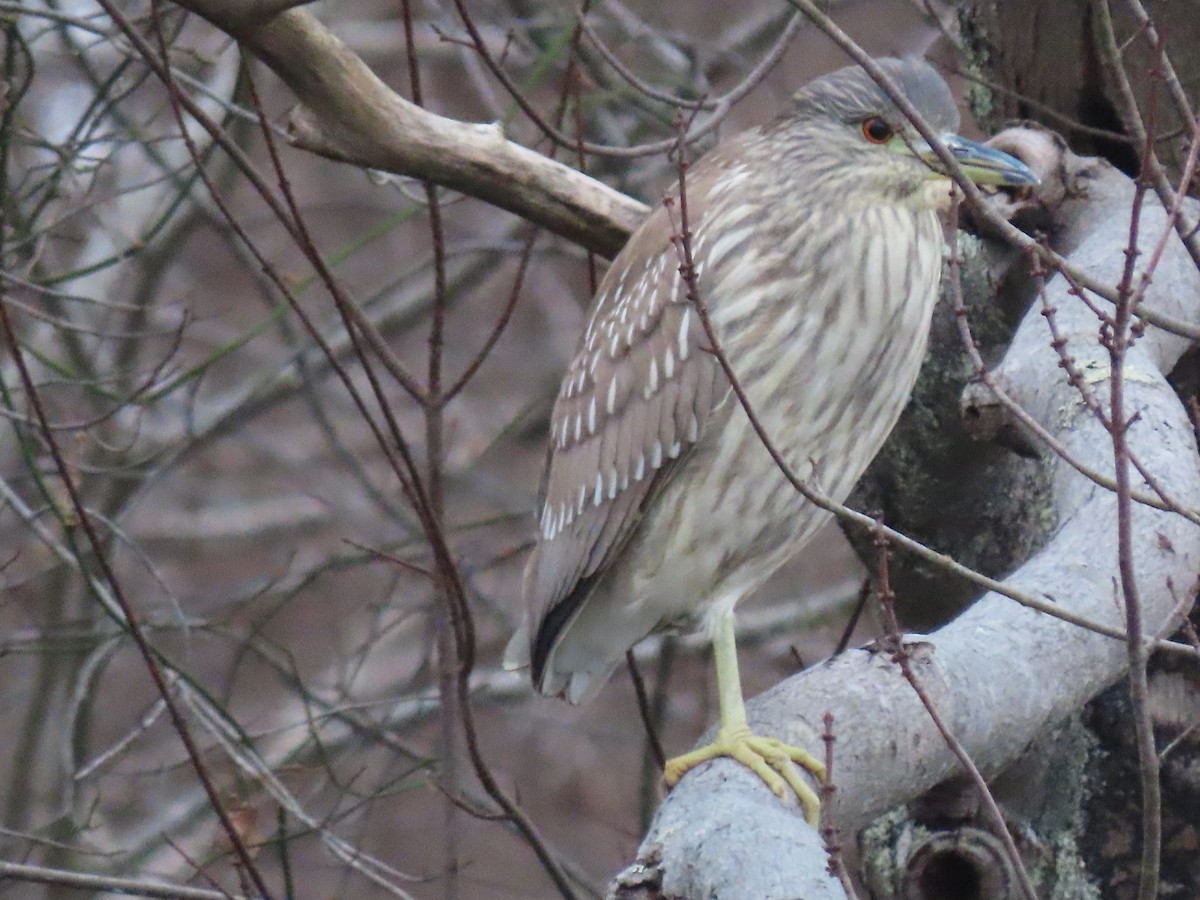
[{"x": 857, "y": 144}]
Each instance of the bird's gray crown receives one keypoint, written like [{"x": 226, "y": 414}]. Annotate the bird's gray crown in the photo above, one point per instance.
[{"x": 849, "y": 95}]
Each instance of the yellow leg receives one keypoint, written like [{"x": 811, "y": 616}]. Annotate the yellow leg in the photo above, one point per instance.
[{"x": 771, "y": 760}]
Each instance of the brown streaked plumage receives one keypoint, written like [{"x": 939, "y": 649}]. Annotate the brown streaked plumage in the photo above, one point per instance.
[{"x": 818, "y": 253}]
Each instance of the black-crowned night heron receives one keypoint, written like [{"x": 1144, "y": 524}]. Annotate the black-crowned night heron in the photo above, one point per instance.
[{"x": 818, "y": 252}]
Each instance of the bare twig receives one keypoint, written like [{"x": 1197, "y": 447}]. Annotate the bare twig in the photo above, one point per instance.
[
  {"x": 747, "y": 84},
  {"x": 1152, "y": 169},
  {"x": 1162, "y": 500},
  {"x": 86, "y": 881},
  {"x": 894, "y": 640},
  {"x": 550, "y": 131},
  {"x": 1117, "y": 337},
  {"x": 1174, "y": 87},
  {"x": 830, "y": 833}
]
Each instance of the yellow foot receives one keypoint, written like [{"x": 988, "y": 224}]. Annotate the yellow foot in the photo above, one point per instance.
[{"x": 771, "y": 760}]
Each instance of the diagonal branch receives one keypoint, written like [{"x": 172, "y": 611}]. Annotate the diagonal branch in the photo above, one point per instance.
[{"x": 347, "y": 113}]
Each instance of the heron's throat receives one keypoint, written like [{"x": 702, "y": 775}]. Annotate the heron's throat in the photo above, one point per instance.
[{"x": 936, "y": 192}]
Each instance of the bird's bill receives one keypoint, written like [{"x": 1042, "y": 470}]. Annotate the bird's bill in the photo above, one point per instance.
[{"x": 983, "y": 165}]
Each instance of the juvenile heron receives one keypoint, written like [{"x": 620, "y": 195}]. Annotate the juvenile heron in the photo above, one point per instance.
[{"x": 818, "y": 253}]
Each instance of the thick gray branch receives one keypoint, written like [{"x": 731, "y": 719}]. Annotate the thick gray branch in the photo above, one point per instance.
[
  {"x": 1000, "y": 673},
  {"x": 347, "y": 113}
]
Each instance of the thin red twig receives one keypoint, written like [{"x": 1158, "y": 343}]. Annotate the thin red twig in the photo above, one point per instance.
[
  {"x": 1118, "y": 338},
  {"x": 894, "y": 641},
  {"x": 830, "y": 833}
]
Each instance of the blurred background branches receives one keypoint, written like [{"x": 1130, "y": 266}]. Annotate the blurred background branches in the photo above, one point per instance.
[{"x": 285, "y": 417}]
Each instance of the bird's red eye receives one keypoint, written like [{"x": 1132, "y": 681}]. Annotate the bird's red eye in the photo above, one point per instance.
[{"x": 877, "y": 130}]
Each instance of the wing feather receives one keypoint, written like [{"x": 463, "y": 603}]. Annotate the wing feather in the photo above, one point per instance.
[{"x": 634, "y": 401}]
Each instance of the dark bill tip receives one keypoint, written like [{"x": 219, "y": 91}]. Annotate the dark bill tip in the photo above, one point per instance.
[{"x": 983, "y": 165}]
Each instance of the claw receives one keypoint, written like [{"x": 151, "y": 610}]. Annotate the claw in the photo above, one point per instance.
[{"x": 770, "y": 759}]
